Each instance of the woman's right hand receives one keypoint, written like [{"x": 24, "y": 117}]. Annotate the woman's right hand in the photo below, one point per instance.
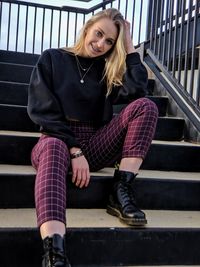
[
  {"x": 80, "y": 171},
  {"x": 128, "y": 40}
]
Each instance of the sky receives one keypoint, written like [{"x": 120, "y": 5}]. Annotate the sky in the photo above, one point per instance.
[{"x": 34, "y": 42}]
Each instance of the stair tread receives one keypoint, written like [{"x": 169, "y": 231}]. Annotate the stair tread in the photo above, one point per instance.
[
  {"x": 98, "y": 218},
  {"x": 18, "y": 133},
  {"x": 16, "y": 64},
  {"x": 16, "y": 83},
  {"x": 29, "y": 170},
  {"x": 35, "y": 134},
  {"x": 24, "y": 107}
]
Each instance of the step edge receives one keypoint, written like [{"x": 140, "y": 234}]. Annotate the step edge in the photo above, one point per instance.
[
  {"x": 98, "y": 218},
  {"x": 7, "y": 169},
  {"x": 157, "y": 142}
]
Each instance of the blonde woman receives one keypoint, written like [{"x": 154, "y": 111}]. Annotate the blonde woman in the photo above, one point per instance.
[{"x": 71, "y": 94}]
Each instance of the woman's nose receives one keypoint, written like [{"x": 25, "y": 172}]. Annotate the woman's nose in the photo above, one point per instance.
[{"x": 100, "y": 43}]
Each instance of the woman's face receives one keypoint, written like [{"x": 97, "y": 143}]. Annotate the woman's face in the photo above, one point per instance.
[{"x": 100, "y": 38}]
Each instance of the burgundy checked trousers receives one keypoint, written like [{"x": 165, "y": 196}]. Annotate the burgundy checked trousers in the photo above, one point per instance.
[{"x": 128, "y": 134}]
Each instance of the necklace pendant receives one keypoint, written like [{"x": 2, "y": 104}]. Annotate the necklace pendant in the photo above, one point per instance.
[{"x": 81, "y": 81}]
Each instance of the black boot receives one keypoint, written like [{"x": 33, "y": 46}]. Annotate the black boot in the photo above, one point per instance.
[
  {"x": 121, "y": 200},
  {"x": 55, "y": 252}
]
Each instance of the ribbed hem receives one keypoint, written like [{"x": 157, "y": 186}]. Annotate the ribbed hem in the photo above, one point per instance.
[{"x": 134, "y": 154}]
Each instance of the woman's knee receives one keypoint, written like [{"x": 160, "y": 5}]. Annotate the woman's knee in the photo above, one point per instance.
[
  {"x": 52, "y": 145},
  {"x": 146, "y": 105},
  {"x": 54, "y": 142}
]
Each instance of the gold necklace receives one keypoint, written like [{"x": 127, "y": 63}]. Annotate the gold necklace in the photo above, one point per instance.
[{"x": 79, "y": 69}]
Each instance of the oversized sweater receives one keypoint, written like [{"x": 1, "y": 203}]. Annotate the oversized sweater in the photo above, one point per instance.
[{"x": 56, "y": 94}]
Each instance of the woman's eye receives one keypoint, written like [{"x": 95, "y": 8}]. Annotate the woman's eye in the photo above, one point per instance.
[
  {"x": 109, "y": 42},
  {"x": 98, "y": 33}
]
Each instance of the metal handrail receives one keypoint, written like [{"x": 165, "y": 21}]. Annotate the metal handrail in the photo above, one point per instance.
[
  {"x": 173, "y": 49},
  {"x": 32, "y": 27},
  {"x": 63, "y": 8}
]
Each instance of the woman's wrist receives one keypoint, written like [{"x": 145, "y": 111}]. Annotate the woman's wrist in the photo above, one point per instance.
[
  {"x": 76, "y": 154},
  {"x": 130, "y": 49}
]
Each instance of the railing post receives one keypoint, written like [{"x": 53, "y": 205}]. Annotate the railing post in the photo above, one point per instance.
[
  {"x": 104, "y": 6},
  {"x": 153, "y": 21},
  {"x": 149, "y": 18}
]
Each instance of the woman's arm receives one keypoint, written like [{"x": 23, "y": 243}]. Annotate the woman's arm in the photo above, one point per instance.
[
  {"x": 43, "y": 106},
  {"x": 136, "y": 78}
]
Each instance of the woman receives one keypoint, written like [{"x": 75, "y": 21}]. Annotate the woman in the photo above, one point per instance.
[{"x": 70, "y": 97}]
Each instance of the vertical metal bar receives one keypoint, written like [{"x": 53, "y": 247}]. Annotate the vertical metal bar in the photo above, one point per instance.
[
  {"x": 17, "y": 30},
  {"x": 83, "y": 19},
  {"x": 1, "y": 7},
  {"x": 119, "y": 3},
  {"x": 34, "y": 28},
  {"x": 181, "y": 40},
  {"x": 140, "y": 23},
  {"x": 175, "y": 40},
  {"x": 133, "y": 16},
  {"x": 26, "y": 26},
  {"x": 186, "y": 47},
  {"x": 9, "y": 16},
  {"x": 198, "y": 83},
  {"x": 68, "y": 14},
  {"x": 59, "y": 27},
  {"x": 156, "y": 27},
  {"x": 111, "y": 4},
  {"x": 42, "y": 39},
  {"x": 75, "y": 26},
  {"x": 103, "y": 6},
  {"x": 165, "y": 31},
  {"x": 170, "y": 35},
  {"x": 152, "y": 24},
  {"x": 161, "y": 27},
  {"x": 51, "y": 27},
  {"x": 126, "y": 9},
  {"x": 149, "y": 18},
  {"x": 191, "y": 89}
]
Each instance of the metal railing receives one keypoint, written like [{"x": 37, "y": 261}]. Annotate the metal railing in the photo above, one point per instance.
[
  {"x": 30, "y": 27},
  {"x": 170, "y": 30},
  {"x": 173, "y": 32}
]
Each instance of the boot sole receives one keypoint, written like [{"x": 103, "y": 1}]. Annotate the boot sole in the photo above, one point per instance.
[{"x": 129, "y": 221}]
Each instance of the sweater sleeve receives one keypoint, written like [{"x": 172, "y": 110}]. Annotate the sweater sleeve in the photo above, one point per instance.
[
  {"x": 43, "y": 105},
  {"x": 134, "y": 82}
]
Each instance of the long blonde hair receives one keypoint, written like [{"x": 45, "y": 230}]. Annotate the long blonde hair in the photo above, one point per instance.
[{"x": 115, "y": 60}]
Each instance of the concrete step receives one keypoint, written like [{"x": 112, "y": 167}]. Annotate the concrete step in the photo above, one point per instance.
[
  {"x": 15, "y": 118},
  {"x": 163, "y": 155},
  {"x": 16, "y": 93},
  {"x": 170, "y": 238},
  {"x": 15, "y": 72},
  {"x": 160, "y": 101},
  {"x": 13, "y": 93},
  {"x": 99, "y": 218},
  {"x": 18, "y": 57},
  {"x": 153, "y": 189}
]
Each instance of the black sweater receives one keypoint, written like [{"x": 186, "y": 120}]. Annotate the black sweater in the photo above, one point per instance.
[{"x": 56, "y": 94}]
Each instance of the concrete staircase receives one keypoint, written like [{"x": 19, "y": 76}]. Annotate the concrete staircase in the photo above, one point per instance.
[{"x": 167, "y": 188}]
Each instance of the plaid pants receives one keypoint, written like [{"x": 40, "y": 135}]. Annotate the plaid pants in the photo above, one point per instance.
[{"x": 128, "y": 134}]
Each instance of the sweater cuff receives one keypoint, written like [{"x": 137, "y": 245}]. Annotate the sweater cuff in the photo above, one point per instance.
[{"x": 133, "y": 59}]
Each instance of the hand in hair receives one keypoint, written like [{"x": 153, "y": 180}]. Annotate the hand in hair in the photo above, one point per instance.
[{"x": 128, "y": 41}]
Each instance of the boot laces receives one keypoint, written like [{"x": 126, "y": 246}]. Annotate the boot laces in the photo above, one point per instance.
[
  {"x": 53, "y": 257},
  {"x": 127, "y": 194}
]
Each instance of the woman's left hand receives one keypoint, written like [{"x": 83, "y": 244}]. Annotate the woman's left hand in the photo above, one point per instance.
[
  {"x": 80, "y": 172},
  {"x": 128, "y": 40}
]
